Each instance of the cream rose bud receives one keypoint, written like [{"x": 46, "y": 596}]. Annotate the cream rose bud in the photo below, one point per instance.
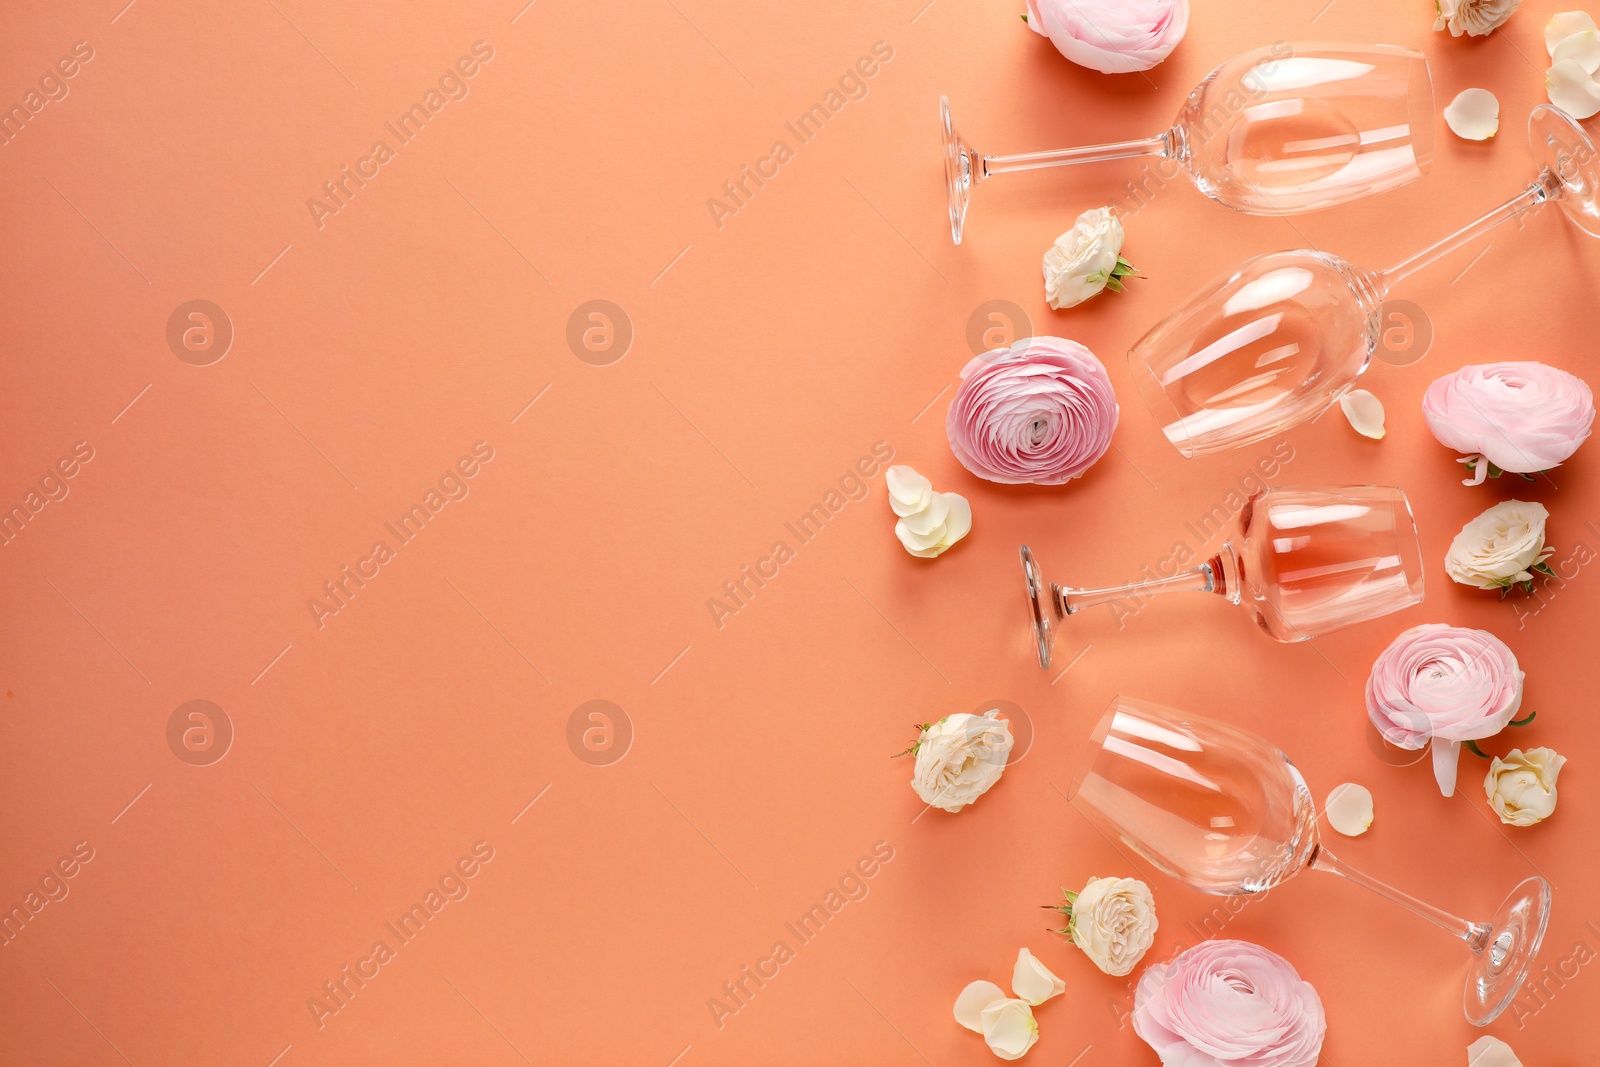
[
  {"x": 1082, "y": 261},
  {"x": 959, "y": 758},
  {"x": 1500, "y": 547},
  {"x": 1473, "y": 17},
  {"x": 1522, "y": 785},
  {"x": 1114, "y": 923}
]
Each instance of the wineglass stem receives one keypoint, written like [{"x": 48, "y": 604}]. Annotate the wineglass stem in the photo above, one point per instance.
[
  {"x": 1544, "y": 188},
  {"x": 1159, "y": 145},
  {"x": 1216, "y": 575},
  {"x": 1476, "y": 935}
]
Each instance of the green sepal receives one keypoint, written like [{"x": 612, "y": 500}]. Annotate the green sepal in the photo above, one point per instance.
[
  {"x": 1523, "y": 722},
  {"x": 1472, "y": 747}
]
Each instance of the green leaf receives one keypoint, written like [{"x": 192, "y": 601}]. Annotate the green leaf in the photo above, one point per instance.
[
  {"x": 1543, "y": 568},
  {"x": 1114, "y": 285},
  {"x": 1523, "y": 722},
  {"x": 1472, "y": 747}
]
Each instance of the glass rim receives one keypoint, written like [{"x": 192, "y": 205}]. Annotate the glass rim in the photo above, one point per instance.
[{"x": 1096, "y": 745}]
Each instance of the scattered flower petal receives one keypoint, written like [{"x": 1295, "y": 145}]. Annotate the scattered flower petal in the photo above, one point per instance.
[
  {"x": 1564, "y": 24},
  {"x": 1491, "y": 1051},
  {"x": 1365, "y": 413},
  {"x": 1583, "y": 48},
  {"x": 1032, "y": 981},
  {"x": 971, "y": 1002},
  {"x": 1350, "y": 809},
  {"x": 1571, "y": 88},
  {"x": 1474, "y": 115},
  {"x": 909, "y": 492},
  {"x": 929, "y": 522},
  {"x": 1009, "y": 1028}
]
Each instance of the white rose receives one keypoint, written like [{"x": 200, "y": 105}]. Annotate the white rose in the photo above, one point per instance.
[
  {"x": 959, "y": 758},
  {"x": 1113, "y": 922},
  {"x": 1500, "y": 547},
  {"x": 1473, "y": 17},
  {"x": 1522, "y": 785},
  {"x": 1082, "y": 260}
]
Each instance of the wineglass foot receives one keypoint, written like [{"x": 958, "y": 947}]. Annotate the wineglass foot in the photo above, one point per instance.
[
  {"x": 1038, "y": 592},
  {"x": 1515, "y": 934},
  {"x": 1562, "y": 148},
  {"x": 957, "y": 170}
]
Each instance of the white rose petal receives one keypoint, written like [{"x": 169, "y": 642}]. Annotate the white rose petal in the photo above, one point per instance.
[
  {"x": 1491, "y": 1052},
  {"x": 1009, "y": 1029},
  {"x": 1522, "y": 785},
  {"x": 1350, "y": 809},
  {"x": 971, "y": 1002},
  {"x": 1365, "y": 413},
  {"x": 960, "y": 758},
  {"x": 929, "y": 522},
  {"x": 1572, "y": 89},
  {"x": 1582, "y": 48},
  {"x": 1032, "y": 981},
  {"x": 1563, "y": 25},
  {"x": 1474, "y": 115},
  {"x": 909, "y": 492},
  {"x": 1080, "y": 262}
]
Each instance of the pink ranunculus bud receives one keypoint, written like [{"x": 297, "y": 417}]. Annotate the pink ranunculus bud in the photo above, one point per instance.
[
  {"x": 1445, "y": 683},
  {"x": 1041, "y": 411},
  {"x": 1111, "y": 36},
  {"x": 1520, "y": 417},
  {"x": 1229, "y": 1004}
]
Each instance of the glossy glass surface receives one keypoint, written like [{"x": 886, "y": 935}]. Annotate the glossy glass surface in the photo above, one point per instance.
[
  {"x": 1213, "y": 806},
  {"x": 1315, "y": 560}
]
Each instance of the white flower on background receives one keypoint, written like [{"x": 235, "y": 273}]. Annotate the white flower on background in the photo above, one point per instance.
[
  {"x": 1007, "y": 1025},
  {"x": 1113, "y": 920},
  {"x": 959, "y": 758},
  {"x": 1033, "y": 981},
  {"x": 1491, "y": 1052},
  {"x": 1500, "y": 548},
  {"x": 1365, "y": 413},
  {"x": 1473, "y": 17},
  {"x": 1574, "y": 46},
  {"x": 929, "y": 522},
  {"x": 1474, "y": 115},
  {"x": 1085, "y": 260},
  {"x": 1522, "y": 785}
]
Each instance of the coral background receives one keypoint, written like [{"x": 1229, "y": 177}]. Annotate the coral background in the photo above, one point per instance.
[{"x": 375, "y": 747}]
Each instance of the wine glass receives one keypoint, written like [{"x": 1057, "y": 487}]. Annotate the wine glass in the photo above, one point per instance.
[
  {"x": 1283, "y": 129},
  {"x": 1304, "y": 561},
  {"x": 1224, "y": 811},
  {"x": 1286, "y": 334}
]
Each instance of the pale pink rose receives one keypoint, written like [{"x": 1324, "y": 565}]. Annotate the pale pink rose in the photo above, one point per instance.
[
  {"x": 1444, "y": 683},
  {"x": 1111, "y": 36},
  {"x": 1229, "y": 1004},
  {"x": 1041, "y": 411},
  {"x": 1521, "y": 417}
]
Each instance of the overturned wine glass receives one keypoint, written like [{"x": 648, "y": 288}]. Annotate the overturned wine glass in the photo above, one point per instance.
[{"x": 1279, "y": 130}]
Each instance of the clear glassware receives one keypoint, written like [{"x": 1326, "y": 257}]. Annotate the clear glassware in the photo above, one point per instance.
[
  {"x": 1303, "y": 560},
  {"x": 1224, "y": 811},
  {"x": 1281, "y": 338},
  {"x": 1279, "y": 130}
]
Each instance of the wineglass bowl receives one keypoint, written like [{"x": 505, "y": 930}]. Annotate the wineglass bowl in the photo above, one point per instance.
[
  {"x": 1224, "y": 811},
  {"x": 1303, "y": 560},
  {"x": 1278, "y": 340},
  {"x": 1279, "y": 130}
]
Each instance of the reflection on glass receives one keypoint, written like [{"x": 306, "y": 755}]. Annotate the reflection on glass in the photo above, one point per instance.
[{"x": 1279, "y": 130}]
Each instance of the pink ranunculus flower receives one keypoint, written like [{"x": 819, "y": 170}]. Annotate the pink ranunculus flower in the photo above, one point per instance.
[
  {"x": 1517, "y": 417},
  {"x": 1041, "y": 411},
  {"x": 1229, "y": 1004},
  {"x": 1445, "y": 683},
  {"x": 1111, "y": 36}
]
